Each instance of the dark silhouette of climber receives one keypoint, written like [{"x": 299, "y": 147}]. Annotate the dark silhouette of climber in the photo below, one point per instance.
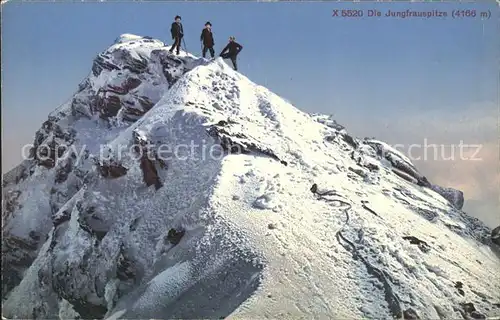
[
  {"x": 207, "y": 38},
  {"x": 177, "y": 32},
  {"x": 233, "y": 49}
]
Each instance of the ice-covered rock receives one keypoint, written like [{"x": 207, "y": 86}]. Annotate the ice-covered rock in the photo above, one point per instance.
[
  {"x": 455, "y": 197},
  {"x": 495, "y": 235},
  {"x": 327, "y": 120},
  {"x": 264, "y": 201},
  {"x": 404, "y": 168}
]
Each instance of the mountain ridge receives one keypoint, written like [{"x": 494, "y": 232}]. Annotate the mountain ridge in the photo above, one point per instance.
[{"x": 240, "y": 228}]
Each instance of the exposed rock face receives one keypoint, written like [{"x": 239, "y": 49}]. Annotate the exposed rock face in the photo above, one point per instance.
[
  {"x": 459, "y": 286},
  {"x": 137, "y": 83},
  {"x": 51, "y": 143},
  {"x": 400, "y": 165},
  {"x": 422, "y": 245},
  {"x": 150, "y": 174},
  {"x": 11, "y": 204},
  {"x": 148, "y": 160},
  {"x": 17, "y": 254},
  {"x": 122, "y": 87},
  {"x": 455, "y": 197},
  {"x": 239, "y": 143},
  {"x": 404, "y": 168},
  {"x": 495, "y": 235},
  {"x": 410, "y": 314},
  {"x": 328, "y": 120},
  {"x": 469, "y": 311},
  {"x": 111, "y": 169},
  {"x": 175, "y": 236}
]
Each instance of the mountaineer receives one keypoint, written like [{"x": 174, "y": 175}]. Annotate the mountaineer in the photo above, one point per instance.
[
  {"x": 232, "y": 48},
  {"x": 177, "y": 32},
  {"x": 207, "y": 39}
]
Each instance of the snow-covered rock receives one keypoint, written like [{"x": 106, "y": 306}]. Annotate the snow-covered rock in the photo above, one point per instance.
[
  {"x": 174, "y": 187},
  {"x": 495, "y": 235},
  {"x": 402, "y": 166},
  {"x": 327, "y": 120}
]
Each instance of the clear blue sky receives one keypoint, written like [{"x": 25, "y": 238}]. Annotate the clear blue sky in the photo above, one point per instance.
[{"x": 359, "y": 69}]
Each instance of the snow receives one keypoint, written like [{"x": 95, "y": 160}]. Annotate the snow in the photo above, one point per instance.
[
  {"x": 127, "y": 37},
  {"x": 258, "y": 243},
  {"x": 168, "y": 285}
]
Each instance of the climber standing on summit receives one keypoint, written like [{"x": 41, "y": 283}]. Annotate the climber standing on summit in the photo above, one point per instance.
[
  {"x": 232, "y": 48},
  {"x": 177, "y": 32},
  {"x": 208, "y": 40}
]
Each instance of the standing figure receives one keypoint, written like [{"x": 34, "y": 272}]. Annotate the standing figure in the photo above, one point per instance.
[
  {"x": 177, "y": 32},
  {"x": 232, "y": 48},
  {"x": 208, "y": 40}
]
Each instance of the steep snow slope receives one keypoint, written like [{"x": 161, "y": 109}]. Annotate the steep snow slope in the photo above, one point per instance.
[{"x": 263, "y": 212}]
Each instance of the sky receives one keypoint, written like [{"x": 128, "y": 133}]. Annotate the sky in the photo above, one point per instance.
[{"x": 411, "y": 82}]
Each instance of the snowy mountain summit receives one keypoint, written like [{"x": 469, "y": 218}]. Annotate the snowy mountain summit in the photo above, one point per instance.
[{"x": 174, "y": 187}]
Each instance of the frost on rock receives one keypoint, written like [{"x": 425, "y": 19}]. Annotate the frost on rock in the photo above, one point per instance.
[
  {"x": 396, "y": 158},
  {"x": 126, "y": 81},
  {"x": 141, "y": 201},
  {"x": 455, "y": 197},
  {"x": 265, "y": 201},
  {"x": 327, "y": 120},
  {"x": 404, "y": 168},
  {"x": 495, "y": 236}
]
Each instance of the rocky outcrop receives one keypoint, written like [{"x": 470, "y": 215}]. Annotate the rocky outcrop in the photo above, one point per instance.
[
  {"x": 18, "y": 173},
  {"x": 239, "y": 143},
  {"x": 18, "y": 252},
  {"x": 327, "y": 120},
  {"x": 119, "y": 59},
  {"x": 397, "y": 160},
  {"x": 123, "y": 96},
  {"x": 111, "y": 169},
  {"x": 469, "y": 311},
  {"x": 77, "y": 280},
  {"x": 455, "y": 197},
  {"x": 495, "y": 236},
  {"x": 133, "y": 110},
  {"x": 102, "y": 62},
  {"x": 349, "y": 140},
  {"x": 63, "y": 171},
  {"x": 410, "y": 314},
  {"x": 404, "y": 168},
  {"x": 76, "y": 292},
  {"x": 171, "y": 67},
  {"x": 109, "y": 105},
  {"x": 459, "y": 286},
  {"x": 136, "y": 85},
  {"x": 150, "y": 174},
  {"x": 10, "y": 205},
  {"x": 17, "y": 255},
  {"x": 422, "y": 245},
  {"x": 125, "y": 266},
  {"x": 93, "y": 222},
  {"x": 149, "y": 158},
  {"x": 175, "y": 236},
  {"x": 51, "y": 143}
]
